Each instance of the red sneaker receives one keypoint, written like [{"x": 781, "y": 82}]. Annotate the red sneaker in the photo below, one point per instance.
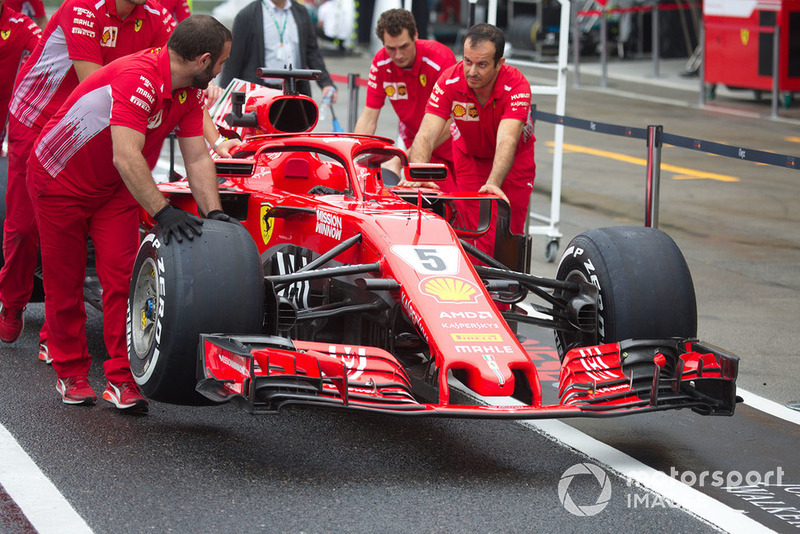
[
  {"x": 11, "y": 323},
  {"x": 126, "y": 396},
  {"x": 76, "y": 390},
  {"x": 44, "y": 354}
]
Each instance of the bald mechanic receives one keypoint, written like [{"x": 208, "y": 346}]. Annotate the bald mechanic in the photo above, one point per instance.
[
  {"x": 81, "y": 36},
  {"x": 404, "y": 71},
  {"x": 91, "y": 172},
  {"x": 493, "y": 140}
]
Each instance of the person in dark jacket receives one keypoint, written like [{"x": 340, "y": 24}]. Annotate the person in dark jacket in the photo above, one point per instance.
[{"x": 275, "y": 34}]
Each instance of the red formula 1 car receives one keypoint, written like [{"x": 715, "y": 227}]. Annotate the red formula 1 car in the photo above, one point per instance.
[{"x": 336, "y": 290}]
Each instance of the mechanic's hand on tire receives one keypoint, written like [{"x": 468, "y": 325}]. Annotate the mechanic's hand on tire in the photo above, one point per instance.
[
  {"x": 178, "y": 223},
  {"x": 219, "y": 215}
]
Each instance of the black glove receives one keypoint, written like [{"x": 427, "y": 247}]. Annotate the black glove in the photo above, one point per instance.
[
  {"x": 218, "y": 215},
  {"x": 175, "y": 221}
]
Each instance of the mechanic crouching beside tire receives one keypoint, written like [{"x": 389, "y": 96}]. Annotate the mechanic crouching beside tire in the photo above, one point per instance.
[{"x": 91, "y": 171}]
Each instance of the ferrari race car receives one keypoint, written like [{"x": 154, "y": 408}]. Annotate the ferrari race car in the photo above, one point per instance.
[{"x": 334, "y": 289}]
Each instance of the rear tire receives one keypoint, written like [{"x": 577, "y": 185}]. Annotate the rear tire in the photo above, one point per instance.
[
  {"x": 645, "y": 287},
  {"x": 211, "y": 284}
]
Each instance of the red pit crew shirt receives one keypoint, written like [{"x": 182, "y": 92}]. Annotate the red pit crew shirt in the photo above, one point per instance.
[
  {"x": 87, "y": 30},
  {"x": 18, "y": 34},
  {"x": 408, "y": 89},
  {"x": 31, "y": 8},
  {"x": 179, "y": 9},
  {"x": 476, "y": 135},
  {"x": 75, "y": 146}
]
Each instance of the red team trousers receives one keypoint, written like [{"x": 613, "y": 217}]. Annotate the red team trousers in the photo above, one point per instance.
[{"x": 66, "y": 220}]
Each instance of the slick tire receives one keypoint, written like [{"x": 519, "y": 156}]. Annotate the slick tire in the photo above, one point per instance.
[
  {"x": 211, "y": 284},
  {"x": 645, "y": 287}
]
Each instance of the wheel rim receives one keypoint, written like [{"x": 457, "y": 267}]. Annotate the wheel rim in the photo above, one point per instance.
[{"x": 144, "y": 309}]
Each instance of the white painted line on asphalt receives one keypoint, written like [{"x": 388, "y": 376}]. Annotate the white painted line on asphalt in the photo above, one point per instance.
[
  {"x": 769, "y": 407},
  {"x": 693, "y": 501},
  {"x": 46, "y": 509}
]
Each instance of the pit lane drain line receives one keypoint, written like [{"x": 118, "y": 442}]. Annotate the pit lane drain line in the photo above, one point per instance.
[
  {"x": 41, "y": 502},
  {"x": 696, "y": 503}
]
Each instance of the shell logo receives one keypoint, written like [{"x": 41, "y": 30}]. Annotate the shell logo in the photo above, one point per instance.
[
  {"x": 389, "y": 90},
  {"x": 459, "y": 111},
  {"x": 182, "y": 96},
  {"x": 449, "y": 289}
]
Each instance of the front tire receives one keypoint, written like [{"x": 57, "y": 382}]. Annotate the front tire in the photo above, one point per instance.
[
  {"x": 211, "y": 284},
  {"x": 645, "y": 287}
]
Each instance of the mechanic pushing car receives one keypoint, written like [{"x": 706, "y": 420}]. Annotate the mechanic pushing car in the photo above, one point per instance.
[
  {"x": 404, "y": 70},
  {"x": 81, "y": 36},
  {"x": 92, "y": 166},
  {"x": 492, "y": 131}
]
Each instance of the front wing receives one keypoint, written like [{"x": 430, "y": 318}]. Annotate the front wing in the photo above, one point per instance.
[{"x": 262, "y": 374}]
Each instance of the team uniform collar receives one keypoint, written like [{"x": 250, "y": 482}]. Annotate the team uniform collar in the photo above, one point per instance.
[
  {"x": 111, "y": 5},
  {"x": 166, "y": 75}
]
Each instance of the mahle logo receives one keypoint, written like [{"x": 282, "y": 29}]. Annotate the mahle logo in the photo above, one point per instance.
[{"x": 602, "y": 498}]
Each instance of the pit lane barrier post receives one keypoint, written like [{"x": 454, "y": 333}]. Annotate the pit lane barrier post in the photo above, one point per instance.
[
  {"x": 656, "y": 138},
  {"x": 602, "y": 14}
]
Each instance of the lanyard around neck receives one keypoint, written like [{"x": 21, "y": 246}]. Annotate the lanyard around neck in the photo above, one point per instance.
[{"x": 280, "y": 30}]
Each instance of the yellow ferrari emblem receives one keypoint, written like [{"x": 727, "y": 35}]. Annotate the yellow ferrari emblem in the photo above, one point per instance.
[{"x": 267, "y": 224}]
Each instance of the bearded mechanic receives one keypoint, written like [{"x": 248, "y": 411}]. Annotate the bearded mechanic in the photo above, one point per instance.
[
  {"x": 81, "y": 36},
  {"x": 493, "y": 141},
  {"x": 91, "y": 171},
  {"x": 404, "y": 71}
]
